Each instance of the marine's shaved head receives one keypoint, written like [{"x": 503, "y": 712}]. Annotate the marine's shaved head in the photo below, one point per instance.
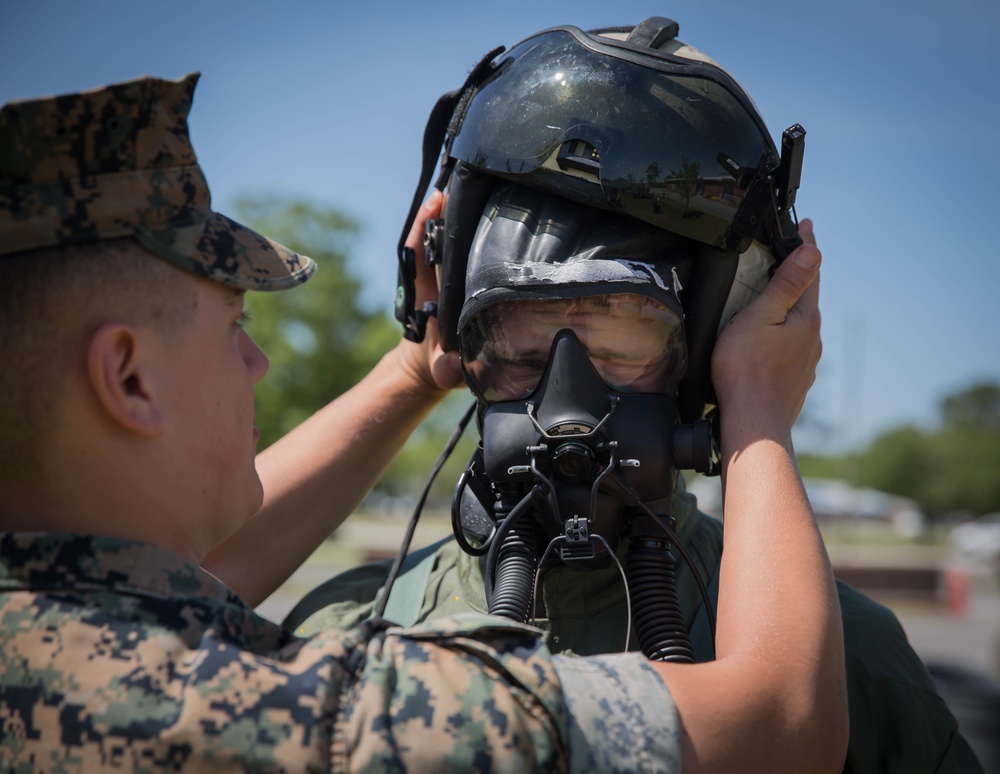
[{"x": 51, "y": 303}]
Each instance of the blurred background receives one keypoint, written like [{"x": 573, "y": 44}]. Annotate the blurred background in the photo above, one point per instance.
[{"x": 308, "y": 122}]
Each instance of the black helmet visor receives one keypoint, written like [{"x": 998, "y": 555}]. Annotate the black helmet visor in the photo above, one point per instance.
[{"x": 669, "y": 141}]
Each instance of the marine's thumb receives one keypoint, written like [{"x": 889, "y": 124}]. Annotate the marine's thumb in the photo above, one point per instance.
[{"x": 791, "y": 280}]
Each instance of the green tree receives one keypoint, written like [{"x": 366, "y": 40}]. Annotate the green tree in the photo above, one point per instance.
[
  {"x": 899, "y": 462},
  {"x": 687, "y": 179},
  {"x": 951, "y": 468},
  {"x": 817, "y": 466},
  {"x": 652, "y": 173},
  {"x": 407, "y": 473},
  {"x": 966, "y": 459},
  {"x": 319, "y": 340},
  {"x": 977, "y": 405},
  {"x": 966, "y": 452}
]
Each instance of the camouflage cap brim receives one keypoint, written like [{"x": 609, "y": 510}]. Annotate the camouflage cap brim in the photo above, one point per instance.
[
  {"x": 222, "y": 250},
  {"x": 117, "y": 162}
]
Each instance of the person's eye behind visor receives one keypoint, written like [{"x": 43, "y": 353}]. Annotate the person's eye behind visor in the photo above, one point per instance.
[{"x": 635, "y": 343}]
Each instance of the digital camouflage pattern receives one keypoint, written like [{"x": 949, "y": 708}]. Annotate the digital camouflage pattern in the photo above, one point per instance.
[
  {"x": 619, "y": 720},
  {"x": 116, "y": 655},
  {"x": 118, "y": 162}
]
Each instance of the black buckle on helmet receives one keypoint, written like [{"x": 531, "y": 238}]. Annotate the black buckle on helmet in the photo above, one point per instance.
[
  {"x": 653, "y": 32},
  {"x": 785, "y": 232},
  {"x": 768, "y": 208},
  {"x": 789, "y": 173},
  {"x": 433, "y": 244},
  {"x": 581, "y": 156}
]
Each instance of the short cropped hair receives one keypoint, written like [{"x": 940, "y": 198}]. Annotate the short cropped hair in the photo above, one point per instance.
[{"x": 51, "y": 302}]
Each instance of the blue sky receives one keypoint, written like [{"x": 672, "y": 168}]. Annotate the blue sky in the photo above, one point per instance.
[{"x": 900, "y": 101}]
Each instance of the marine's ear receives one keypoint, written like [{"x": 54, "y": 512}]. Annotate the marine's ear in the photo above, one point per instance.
[{"x": 121, "y": 375}]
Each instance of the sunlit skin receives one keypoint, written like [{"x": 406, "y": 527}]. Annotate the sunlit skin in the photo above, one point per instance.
[
  {"x": 635, "y": 343},
  {"x": 155, "y": 438},
  {"x": 210, "y": 376}
]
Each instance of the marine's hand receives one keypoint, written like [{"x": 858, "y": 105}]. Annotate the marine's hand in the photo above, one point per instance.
[
  {"x": 427, "y": 362},
  {"x": 765, "y": 358}
]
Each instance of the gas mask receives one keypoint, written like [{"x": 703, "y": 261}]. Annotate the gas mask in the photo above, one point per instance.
[{"x": 580, "y": 445}]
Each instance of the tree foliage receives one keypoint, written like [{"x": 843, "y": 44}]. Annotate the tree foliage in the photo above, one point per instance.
[
  {"x": 979, "y": 405},
  {"x": 950, "y": 468},
  {"x": 406, "y": 475},
  {"x": 319, "y": 340},
  {"x": 898, "y": 462}
]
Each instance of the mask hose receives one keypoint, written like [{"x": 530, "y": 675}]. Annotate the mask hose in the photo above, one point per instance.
[
  {"x": 510, "y": 562},
  {"x": 659, "y": 624}
]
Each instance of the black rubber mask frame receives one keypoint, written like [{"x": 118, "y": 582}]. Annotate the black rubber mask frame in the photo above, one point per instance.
[{"x": 583, "y": 440}]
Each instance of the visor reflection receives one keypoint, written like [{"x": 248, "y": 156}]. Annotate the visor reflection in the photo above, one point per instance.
[{"x": 666, "y": 148}]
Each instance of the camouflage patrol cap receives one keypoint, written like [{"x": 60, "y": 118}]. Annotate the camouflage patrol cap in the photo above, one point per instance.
[{"x": 117, "y": 162}]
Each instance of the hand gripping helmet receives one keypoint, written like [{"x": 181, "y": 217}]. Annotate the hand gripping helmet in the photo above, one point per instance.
[{"x": 613, "y": 197}]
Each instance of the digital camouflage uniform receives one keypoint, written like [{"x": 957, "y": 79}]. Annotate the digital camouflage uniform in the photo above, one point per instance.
[
  {"x": 116, "y": 655},
  {"x": 899, "y": 723},
  {"x": 119, "y": 655}
]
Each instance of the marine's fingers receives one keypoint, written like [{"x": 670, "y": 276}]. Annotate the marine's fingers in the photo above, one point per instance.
[{"x": 431, "y": 208}]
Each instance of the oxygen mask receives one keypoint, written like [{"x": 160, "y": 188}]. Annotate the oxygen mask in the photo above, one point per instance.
[{"x": 575, "y": 418}]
